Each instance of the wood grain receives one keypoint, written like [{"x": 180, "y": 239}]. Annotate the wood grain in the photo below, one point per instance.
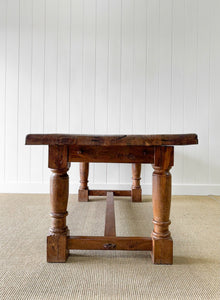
[
  {"x": 118, "y": 193},
  {"x": 110, "y": 215},
  {"x": 59, "y": 192},
  {"x": 112, "y": 140},
  {"x": 136, "y": 192},
  {"x": 111, "y": 154},
  {"x": 107, "y": 243},
  {"x": 162, "y": 252},
  {"x": 83, "y": 193},
  {"x": 162, "y": 158}
]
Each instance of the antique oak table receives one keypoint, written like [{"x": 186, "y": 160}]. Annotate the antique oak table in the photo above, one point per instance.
[{"x": 157, "y": 150}]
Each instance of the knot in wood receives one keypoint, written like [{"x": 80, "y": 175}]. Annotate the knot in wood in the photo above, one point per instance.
[{"x": 109, "y": 246}]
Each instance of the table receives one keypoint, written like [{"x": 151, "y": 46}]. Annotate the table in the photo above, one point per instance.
[{"x": 157, "y": 150}]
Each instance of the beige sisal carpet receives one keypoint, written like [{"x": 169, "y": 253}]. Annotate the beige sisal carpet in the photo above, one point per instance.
[{"x": 24, "y": 273}]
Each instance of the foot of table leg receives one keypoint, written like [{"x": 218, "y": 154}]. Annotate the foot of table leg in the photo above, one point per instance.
[
  {"x": 162, "y": 252},
  {"x": 136, "y": 192},
  {"x": 83, "y": 193},
  {"x": 57, "y": 248}
]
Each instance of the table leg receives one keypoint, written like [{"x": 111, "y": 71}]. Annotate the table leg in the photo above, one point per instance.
[
  {"x": 136, "y": 191},
  {"x": 162, "y": 252},
  {"x": 59, "y": 191},
  {"x": 83, "y": 193}
]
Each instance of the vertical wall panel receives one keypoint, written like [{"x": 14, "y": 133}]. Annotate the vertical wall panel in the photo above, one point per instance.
[
  {"x": 76, "y": 64},
  {"x": 203, "y": 90},
  {"x": 63, "y": 63},
  {"x": 127, "y": 66},
  {"x": 109, "y": 66},
  {"x": 190, "y": 86},
  {"x": 101, "y": 80},
  {"x": 178, "y": 48},
  {"x": 165, "y": 75},
  {"x": 139, "y": 61},
  {"x": 3, "y": 59},
  {"x": 51, "y": 66},
  {"x": 152, "y": 72},
  {"x": 24, "y": 93},
  {"x": 12, "y": 90},
  {"x": 89, "y": 66},
  {"x": 214, "y": 104}
]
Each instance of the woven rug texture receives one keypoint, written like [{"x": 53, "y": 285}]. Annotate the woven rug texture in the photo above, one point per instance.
[{"x": 25, "y": 274}]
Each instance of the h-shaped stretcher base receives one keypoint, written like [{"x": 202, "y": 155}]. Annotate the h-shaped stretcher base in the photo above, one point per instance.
[{"x": 58, "y": 247}]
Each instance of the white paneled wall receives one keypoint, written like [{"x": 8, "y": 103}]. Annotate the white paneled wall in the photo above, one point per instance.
[{"x": 109, "y": 66}]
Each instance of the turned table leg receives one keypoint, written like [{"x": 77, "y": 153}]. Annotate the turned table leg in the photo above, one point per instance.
[
  {"x": 59, "y": 190},
  {"x": 83, "y": 193},
  {"x": 162, "y": 252},
  {"x": 136, "y": 187}
]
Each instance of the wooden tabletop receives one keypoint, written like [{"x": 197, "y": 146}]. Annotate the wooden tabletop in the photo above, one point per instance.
[{"x": 112, "y": 140}]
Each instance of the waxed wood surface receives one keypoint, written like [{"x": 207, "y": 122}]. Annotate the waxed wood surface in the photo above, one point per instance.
[
  {"x": 107, "y": 140},
  {"x": 111, "y": 154},
  {"x": 162, "y": 158},
  {"x": 118, "y": 193},
  {"x": 101, "y": 243},
  {"x": 110, "y": 215}
]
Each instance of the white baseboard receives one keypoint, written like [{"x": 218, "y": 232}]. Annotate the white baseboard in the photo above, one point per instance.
[{"x": 177, "y": 189}]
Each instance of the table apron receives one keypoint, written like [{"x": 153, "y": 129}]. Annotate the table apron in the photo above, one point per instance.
[{"x": 111, "y": 154}]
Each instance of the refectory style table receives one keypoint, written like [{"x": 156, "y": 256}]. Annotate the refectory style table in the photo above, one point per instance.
[{"x": 157, "y": 150}]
